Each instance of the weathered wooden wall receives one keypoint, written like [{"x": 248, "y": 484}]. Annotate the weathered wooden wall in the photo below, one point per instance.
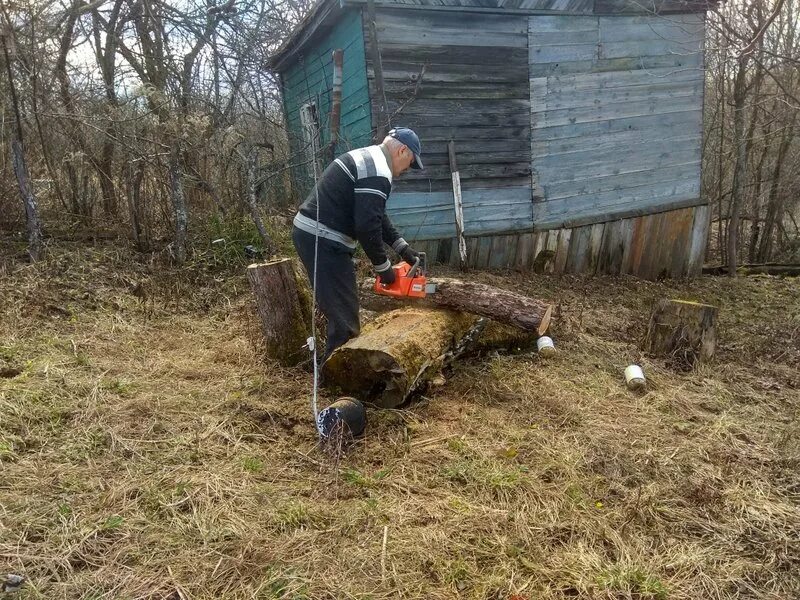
[
  {"x": 616, "y": 116},
  {"x": 577, "y": 134},
  {"x": 667, "y": 244},
  {"x": 310, "y": 78},
  {"x": 460, "y": 77}
]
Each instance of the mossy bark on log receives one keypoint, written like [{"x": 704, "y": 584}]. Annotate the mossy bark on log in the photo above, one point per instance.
[
  {"x": 682, "y": 330},
  {"x": 503, "y": 306},
  {"x": 395, "y": 354},
  {"x": 283, "y": 301}
]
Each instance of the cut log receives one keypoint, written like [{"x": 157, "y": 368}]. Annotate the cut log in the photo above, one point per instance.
[
  {"x": 684, "y": 331},
  {"x": 480, "y": 299},
  {"x": 396, "y": 354},
  {"x": 283, "y": 301}
]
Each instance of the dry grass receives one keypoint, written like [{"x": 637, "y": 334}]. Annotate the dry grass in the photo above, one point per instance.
[{"x": 146, "y": 453}]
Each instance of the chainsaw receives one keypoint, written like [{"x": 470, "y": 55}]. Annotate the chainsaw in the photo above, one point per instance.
[{"x": 410, "y": 281}]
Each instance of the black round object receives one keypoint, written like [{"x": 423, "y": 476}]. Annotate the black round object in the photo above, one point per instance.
[{"x": 347, "y": 413}]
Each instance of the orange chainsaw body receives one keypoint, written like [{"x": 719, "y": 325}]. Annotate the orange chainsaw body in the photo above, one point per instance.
[{"x": 408, "y": 283}]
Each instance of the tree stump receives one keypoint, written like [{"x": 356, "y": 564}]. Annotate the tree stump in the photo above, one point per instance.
[
  {"x": 396, "y": 354},
  {"x": 684, "y": 331},
  {"x": 283, "y": 301}
]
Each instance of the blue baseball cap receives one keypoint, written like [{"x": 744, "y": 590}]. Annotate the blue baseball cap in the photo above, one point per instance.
[{"x": 409, "y": 139}]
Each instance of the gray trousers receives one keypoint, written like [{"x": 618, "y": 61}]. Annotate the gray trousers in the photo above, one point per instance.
[{"x": 337, "y": 292}]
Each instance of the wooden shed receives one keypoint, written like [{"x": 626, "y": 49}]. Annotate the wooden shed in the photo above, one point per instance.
[{"x": 577, "y": 124}]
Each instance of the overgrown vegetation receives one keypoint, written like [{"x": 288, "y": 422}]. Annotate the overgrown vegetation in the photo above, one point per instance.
[{"x": 147, "y": 452}]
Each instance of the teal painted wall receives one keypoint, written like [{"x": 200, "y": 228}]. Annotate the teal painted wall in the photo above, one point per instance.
[{"x": 310, "y": 77}]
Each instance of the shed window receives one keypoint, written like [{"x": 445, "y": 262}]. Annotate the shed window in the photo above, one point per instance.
[{"x": 309, "y": 120}]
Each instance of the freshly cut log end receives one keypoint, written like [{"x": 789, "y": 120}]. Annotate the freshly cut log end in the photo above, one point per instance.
[
  {"x": 682, "y": 330},
  {"x": 395, "y": 354},
  {"x": 283, "y": 301}
]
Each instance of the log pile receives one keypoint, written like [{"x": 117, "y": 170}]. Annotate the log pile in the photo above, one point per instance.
[{"x": 401, "y": 350}]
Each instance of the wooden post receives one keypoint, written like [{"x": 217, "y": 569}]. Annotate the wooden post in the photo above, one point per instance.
[
  {"x": 459, "y": 206},
  {"x": 336, "y": 102},
  {"x": 284, "y": 306},
  {"x": 685, "y": 331},
  {"x": 381, "y": 126}
]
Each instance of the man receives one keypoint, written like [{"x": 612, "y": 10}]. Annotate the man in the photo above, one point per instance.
[{"x": 352, "y": 194}]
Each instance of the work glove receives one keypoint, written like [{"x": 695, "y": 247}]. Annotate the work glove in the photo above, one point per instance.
[
  {"x": 387, "y": 276},
  {"x": 409, "y": 255}
]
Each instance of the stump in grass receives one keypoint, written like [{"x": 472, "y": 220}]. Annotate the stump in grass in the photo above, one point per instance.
[
  {"x": 396, "y": 353},
  {"x": 684, "y": 331},
  {"x": 284, "y": 307}
]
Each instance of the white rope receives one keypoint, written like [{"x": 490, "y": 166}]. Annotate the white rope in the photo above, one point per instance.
[{"x": 312, "y": 341}]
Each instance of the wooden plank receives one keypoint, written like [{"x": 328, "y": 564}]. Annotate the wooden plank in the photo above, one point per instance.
[
  {"x": 653, "y": 7},
  {"x": 404, "y": 90},
  {"x": 523, "y": 258},
  {"x": 629, "y": 164},
  {"x": 453, "y": 37},
  {"x": 603, "y": 185},
  {"x": 472, "y": 245},
  {"x": 551, "y": 24},
  {"x": 541, "y": 55},
  {"x": 616, "y": 110},
  {"x": 445, "y": 107},
  {"x": 609, "y": 259},
  {"x": 681, "y": 234},
  {"x": 595, "y": 241},
  {"x": 452, "y": 73},
  {"x": 458, "y": 205},
  {"x": 641, "y": 230},
  {"x": 445, "y": 252},
  {"x": 692, "y": 60},
  {"x": 561, "y": 251},
  {"x": 677, "y": 29},
  {"x": 539, "y": 244},
  {"x": 426, "y": 20},
  {"x": 651, "y": 245},
  {"x": 639, "y": 49},
  {"x": 613, "y": 213},
  {"x": 609, "y": 205},
  {"x": 627, "y": 237},
  {"x": 502, "y": 250},
  {"x": 561, "y": 84},
  {"x": 441, "y": 54},
  {"x": 484, "y": 252},
  {"x": 497, "y": 184},
  {"x": 610, "y": 141},
  {"x": 430, "y": 215},
  {"x": 518, "y": 169},
  {"x": 674, "y": 119},
  {"x": 577, "y": 252},
  {"x": 697, "y": 246},
  {"x": 432, "y": 251},
  {"x": 659, "y": 91}
]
